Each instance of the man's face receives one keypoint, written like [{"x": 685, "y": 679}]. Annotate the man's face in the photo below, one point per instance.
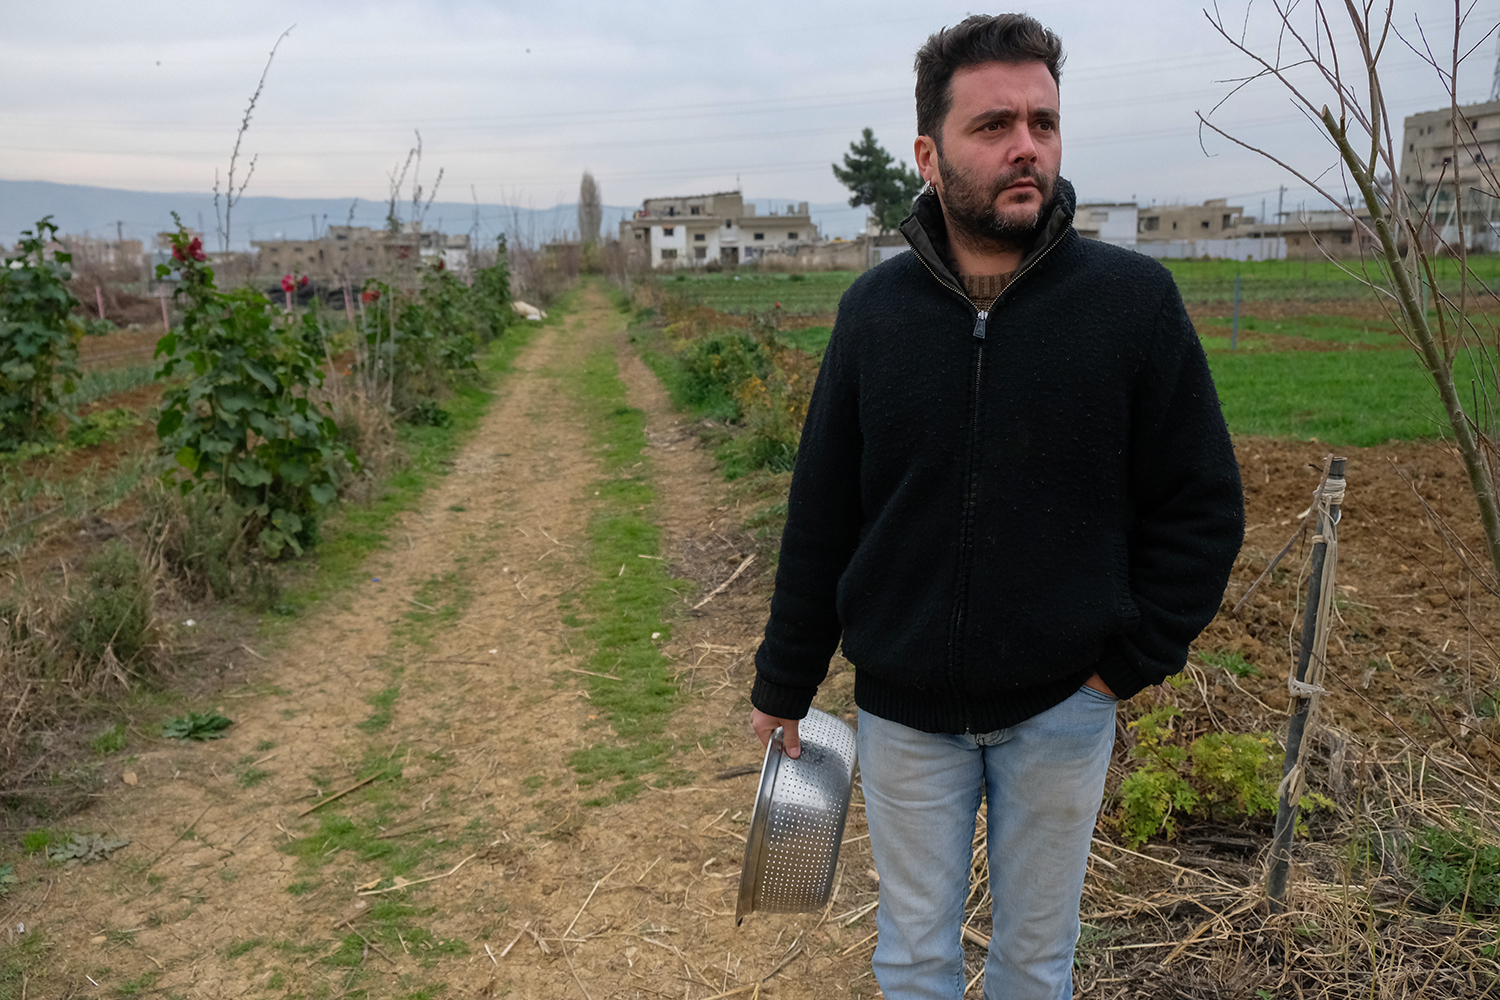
[{"x": 1001, "y": 153}]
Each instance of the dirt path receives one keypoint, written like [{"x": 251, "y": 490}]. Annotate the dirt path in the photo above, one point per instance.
[{"x": 451, "y": 679}]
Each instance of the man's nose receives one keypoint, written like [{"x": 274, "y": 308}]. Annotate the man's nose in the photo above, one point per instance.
[{"x": 1024, "y": 148}]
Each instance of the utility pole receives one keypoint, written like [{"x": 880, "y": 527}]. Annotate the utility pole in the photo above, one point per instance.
[
  {"x": 119, "y": 231},
  {"x": 1495, "y": 84},
  {"x": 1280, "y": 197}
]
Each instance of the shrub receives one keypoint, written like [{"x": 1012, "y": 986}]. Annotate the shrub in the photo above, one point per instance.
[
  {"x": 244, "y": 422},
  {"x": 1218, "y": 776},
  {"x": 106, "y": 623},
  {"x": 38, "y": 338}
]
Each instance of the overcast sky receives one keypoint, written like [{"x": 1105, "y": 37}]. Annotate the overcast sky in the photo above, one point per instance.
[{"x": 514, "y": 100}]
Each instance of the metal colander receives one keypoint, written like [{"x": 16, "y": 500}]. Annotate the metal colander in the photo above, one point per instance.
[{"x": 800, "y": 808}]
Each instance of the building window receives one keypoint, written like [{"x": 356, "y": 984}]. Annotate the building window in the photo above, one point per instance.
[
  {"x": 699, "y": 237},
  {"x": 1204, "y": 223},
  {"x": 1226, "y": 222},
  {"x": 1346, "y": 237},
  {"x": 693, "y": 210},
  {"x": 668, "y": 230},
  {"x": 637, "y": 234},
  {"x": 728, "y": 224},
  {"x": 1151, "y": 224},
  {"x": 700, "y": 252},
  {"x": 760, "y": 236},
  {"x": 668, "y": 254},
  {"x": 1411, "y": 147},
  {"x": 791, "y": 236},
  {"x": 1174, "y": 225}
]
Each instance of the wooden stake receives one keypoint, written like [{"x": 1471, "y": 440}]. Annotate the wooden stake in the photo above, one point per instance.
[{"x": 336, "y": 795}]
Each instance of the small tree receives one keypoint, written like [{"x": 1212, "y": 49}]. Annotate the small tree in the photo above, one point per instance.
[
  {"x": 1436, "y": 317},
  {"x": 878, "y": 180}
]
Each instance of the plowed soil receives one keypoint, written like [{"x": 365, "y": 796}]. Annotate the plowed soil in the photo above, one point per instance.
[{"x": 451, "y": 673}]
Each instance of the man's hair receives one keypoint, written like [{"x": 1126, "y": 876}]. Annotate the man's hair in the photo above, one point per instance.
[{"x": 981, "y": 38}]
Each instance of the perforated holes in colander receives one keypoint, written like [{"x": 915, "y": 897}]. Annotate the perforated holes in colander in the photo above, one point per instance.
[{"x": 805, "y": 818}]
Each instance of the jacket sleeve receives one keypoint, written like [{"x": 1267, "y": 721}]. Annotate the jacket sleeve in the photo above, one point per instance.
[
  {"x": 1188, "y": 515},
  {"x": 823, "y": 522}
]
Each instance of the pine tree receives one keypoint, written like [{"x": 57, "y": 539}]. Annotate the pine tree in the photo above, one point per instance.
[{"x": 878, "y": 181}]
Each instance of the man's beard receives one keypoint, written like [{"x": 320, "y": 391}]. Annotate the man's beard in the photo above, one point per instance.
[{"x": 969, "y": 204}]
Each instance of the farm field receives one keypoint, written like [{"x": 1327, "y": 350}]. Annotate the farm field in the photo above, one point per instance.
[{"x": 540, "y": 723}]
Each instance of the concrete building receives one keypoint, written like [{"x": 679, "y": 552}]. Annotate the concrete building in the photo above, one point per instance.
[
  {"x": 1214, "y": 219},
  {"x": 694, "y": 230},
  {"x": 1315, "y": 234},
  {"x": 1108, "y": 222},
  {"x": 355, "y": 253},
  {"x": 1430, "y": 175}
]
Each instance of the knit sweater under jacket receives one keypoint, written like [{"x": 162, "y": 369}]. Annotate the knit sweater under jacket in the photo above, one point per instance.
[{"x": 989, "y": 508}]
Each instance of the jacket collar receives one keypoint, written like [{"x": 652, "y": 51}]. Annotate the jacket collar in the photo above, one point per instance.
[{"x": 927, "y": 231}]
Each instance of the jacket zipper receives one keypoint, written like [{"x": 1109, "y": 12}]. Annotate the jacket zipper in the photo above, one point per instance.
[{"x": 966, "y": 539}]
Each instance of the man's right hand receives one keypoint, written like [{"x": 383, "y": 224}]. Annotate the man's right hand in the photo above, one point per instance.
[{"x": 764, "y": 725}]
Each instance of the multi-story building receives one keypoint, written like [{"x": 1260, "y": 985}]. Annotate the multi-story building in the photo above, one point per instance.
[
  {"x": 694, "y": 230},
  {"x": 354, "y": 253},
  {"x": 1214, "y": 219},
  {"x": 1434, "y": 167}
]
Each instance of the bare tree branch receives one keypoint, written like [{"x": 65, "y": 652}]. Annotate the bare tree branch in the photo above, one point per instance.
[{"x": 232, "y": 194}]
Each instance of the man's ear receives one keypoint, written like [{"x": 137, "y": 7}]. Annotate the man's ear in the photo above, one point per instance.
[{"x": 924, "y": 150}]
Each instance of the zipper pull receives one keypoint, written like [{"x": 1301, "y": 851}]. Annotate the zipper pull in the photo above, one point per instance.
[{"x": 979, "y": 322}]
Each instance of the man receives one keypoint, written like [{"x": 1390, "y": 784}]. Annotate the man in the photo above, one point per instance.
[{"x": 1015, "y": 501}]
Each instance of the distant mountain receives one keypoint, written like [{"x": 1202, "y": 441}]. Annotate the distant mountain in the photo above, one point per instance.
[{"x": 102, "y": 212}]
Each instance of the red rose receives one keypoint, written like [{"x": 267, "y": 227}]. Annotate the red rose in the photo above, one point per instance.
[
  {"x": 369, "y": 295},
  {"x": 302, "y": 281},
  {"x": 778, "y": 305},
  {"x": 286, "y": 284},
  {"x": 442, "y": 264},
  {"x": 177, "y": 254},
  {"x": 196, "y": 249}
]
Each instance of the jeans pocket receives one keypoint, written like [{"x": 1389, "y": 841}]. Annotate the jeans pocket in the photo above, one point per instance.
[{"x": 1098, "y": 695}]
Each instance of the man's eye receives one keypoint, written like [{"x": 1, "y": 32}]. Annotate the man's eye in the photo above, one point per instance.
[{"x": 992, "y": 127}]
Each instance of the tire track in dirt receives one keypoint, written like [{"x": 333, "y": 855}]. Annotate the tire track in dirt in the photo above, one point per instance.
[{"x": 451, "y": 663}]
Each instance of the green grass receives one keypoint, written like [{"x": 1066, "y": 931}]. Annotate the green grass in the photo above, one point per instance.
[
  {"x": 1299, "y": 280},
  {"x": 1330, "y": 329},
  {"x": 101, "y": 382},
  {"x": 813, "y": 293},
  {"x": 628, "y": 600},
  {"x": 812, "y": 339},
  {"x": 1342, "y": 398}
]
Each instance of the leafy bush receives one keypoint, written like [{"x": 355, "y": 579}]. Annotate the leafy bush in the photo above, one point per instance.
[
  {"x": 1217, "y": 776},
  {"x": 1456, "y": 868},
  {"x": 244, "y": 422},
  {"x": 1235, "y": 663},
  {"x": 714, "y": 369},
  {"x": 38, "y": 338}
]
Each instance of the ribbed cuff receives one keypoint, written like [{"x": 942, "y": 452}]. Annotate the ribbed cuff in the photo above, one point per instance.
[
  {"x": 779, "y": 701},
  {"x": 1121, "y": 677}
]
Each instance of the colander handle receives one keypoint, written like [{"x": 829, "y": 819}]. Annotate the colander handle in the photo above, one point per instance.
[{"x": 777, "y": 742}]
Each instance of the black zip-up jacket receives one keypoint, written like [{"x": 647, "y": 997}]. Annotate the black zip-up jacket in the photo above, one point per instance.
[{"x": 990, "y": 507}]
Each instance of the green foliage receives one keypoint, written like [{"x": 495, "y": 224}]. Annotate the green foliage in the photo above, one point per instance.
[
  {"x": 37, "y": 841},
  {"x": 7, "y": 879},
  {"x": 100, "y": 426},
  {"x": 1234, "y": 663},
  {"x": 193, "y": 726},
  {"x": 38, "y": 338},
  {"x": 877, "y": 180},
  {"x": 244, "y": 422},
  {"x": 86, "y": 848},
  {"x": 1457, "y": 868},
  {"x": 112, "y": 740},
  {"x": 1216, "y": 776},
  {"x": 428, "y": 413},
  {"x": 109, "y": 608},
  {"x": 713, "y": 369}
]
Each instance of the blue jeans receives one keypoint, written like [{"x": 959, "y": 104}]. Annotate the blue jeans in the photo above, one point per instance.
[{"x": 1044, "y": 780}]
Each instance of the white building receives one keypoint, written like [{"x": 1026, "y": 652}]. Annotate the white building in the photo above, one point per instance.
[
  {"x": 1107, "y": 222},
  {"x": 695, "y": 230}
]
